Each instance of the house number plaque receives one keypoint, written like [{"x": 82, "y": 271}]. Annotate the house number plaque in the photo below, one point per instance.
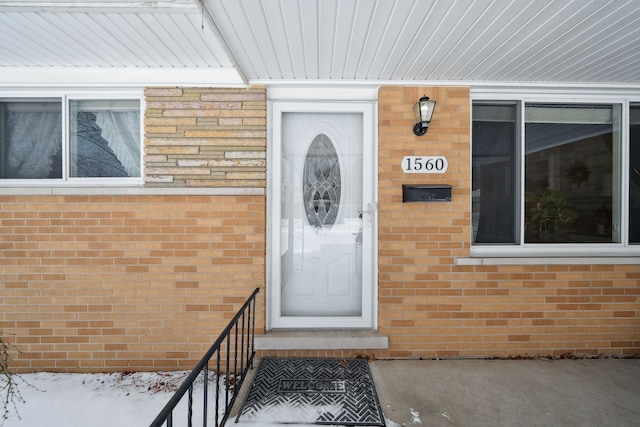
[{"x": 424, "y": 164}]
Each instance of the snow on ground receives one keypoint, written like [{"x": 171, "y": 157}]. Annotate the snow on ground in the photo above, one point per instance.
[
  {"x": 97, "y": 400},
  {"x": 107, "y": 400}
]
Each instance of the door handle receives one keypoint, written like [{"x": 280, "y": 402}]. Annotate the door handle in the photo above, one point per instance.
[{"x": 371, "y": 208}]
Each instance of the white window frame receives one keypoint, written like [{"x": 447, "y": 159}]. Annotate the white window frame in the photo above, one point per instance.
[
  {"x": 66, "y": 95},
  {"x": 558, "y": 96}
]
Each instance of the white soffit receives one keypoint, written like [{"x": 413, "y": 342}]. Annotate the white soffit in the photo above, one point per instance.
[
  {"x": 434, "y": 41},
  {"x": 464, "y": 42},
  {"x": 160, "y": 42}
]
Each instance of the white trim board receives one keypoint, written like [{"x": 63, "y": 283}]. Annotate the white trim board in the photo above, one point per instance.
[{"x": 29, "y": 77}]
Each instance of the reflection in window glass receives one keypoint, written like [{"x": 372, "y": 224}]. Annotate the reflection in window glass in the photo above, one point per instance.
[
  {"x": 494, "y": 198},
  {"x": 104, "y": 138},
  {"x": 31, "y": 139},
  {"x": 634, "y": 174},
  {"x": 570, "y": 165}
]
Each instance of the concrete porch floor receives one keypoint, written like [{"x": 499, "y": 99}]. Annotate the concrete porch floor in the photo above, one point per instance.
[{"x": 602, "y": 392}]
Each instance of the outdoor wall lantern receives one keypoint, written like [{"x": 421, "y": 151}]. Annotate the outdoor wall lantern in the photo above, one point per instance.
[{"x": 423, "y": 111}]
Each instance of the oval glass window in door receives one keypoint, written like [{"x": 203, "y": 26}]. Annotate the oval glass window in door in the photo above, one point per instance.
[{"x": 321, "y": 182}]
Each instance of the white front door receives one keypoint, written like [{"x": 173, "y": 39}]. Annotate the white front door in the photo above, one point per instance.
[{"x": 322, "y": 191}]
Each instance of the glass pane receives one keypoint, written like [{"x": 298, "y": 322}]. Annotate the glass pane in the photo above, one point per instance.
[
  {"x": 104, "y": 138},
  {"x": 494, "y": 189},
  {"x": 321, "y": 223},
  {"x": 634, "y": 174},
  {"x": 570, "y": 173},
  {"x": 31, "y": 139}
]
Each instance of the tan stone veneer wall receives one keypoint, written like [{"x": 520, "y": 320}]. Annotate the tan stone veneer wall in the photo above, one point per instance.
[
  {"x": 205, "y": 137},
  {"x": 143, "y": 281}
]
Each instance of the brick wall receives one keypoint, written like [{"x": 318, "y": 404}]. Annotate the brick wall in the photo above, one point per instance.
[
  {"x": 431, "y": 307},
  {"x": 143, "y": 282},
  {"x": 125, "y": 282},
  {"x": 114, "y": 282}
]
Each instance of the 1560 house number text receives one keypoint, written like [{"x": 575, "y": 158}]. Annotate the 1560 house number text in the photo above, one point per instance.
[{"x": 424, "y": 164}]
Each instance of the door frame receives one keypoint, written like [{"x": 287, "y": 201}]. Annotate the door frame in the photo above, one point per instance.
[{"x": 368, "y": 319}]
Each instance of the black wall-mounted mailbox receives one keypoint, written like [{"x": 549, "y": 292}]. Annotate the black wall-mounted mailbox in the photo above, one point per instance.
[{"x": 426, "y": 193}]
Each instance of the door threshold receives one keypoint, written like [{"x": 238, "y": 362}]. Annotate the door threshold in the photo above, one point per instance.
[{"x": 321, "y": 339}]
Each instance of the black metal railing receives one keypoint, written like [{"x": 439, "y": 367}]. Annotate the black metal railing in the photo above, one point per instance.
[{"x": 232, "y": 355}]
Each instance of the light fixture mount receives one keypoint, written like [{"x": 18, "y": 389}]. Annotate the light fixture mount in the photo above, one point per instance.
[{"x": 423, "y": 110}]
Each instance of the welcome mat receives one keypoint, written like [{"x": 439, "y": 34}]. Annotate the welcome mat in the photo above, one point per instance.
[{"x": 312, "y": 391}]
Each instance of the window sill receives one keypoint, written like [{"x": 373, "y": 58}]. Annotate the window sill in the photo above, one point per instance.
[
  {"x": 565, "y": 260},
  {"x": 92, "y": 190},
  {"x": 594, "y": 253}
]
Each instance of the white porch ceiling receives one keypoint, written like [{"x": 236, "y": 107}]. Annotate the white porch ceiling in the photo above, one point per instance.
[
  {"x": 88, "y": 36},
  {"x": 593, "y": 41},
  {"x": 161, "y": 41},
  {"x": 264, "y": 41}
]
